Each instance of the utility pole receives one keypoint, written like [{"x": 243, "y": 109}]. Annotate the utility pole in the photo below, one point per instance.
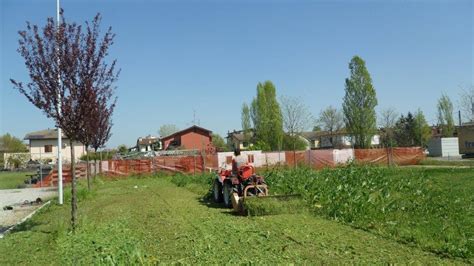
[
  {"x": 60, "y": 145},
  {"x": 459, "y": 116}
]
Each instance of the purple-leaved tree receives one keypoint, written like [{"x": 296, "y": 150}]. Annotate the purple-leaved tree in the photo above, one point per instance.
[{"x": 78, "y": 58}]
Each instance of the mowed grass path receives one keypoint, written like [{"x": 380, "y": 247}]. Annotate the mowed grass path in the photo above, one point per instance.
[{"x": 158, "y": 222}]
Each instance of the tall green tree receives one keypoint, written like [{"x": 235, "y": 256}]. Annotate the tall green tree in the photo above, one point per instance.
[
  {"x": 412, "y": 130},
  {"x": 9, "y": 143},
  {"x": 246, "y": 124},
  {"x": 421, "y": 129},
  {"x": 445, "y": 116},
  {"x": 267, "y": 117},
  {"x": 359, "y": 104},
  {"x": 404, "y": 131},
  {"x": 219, "y": 143}
]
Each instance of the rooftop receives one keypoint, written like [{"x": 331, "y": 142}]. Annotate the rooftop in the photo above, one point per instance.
[
  {"x": 192, "y": 128},
  {"x": 43, "y": 134}
]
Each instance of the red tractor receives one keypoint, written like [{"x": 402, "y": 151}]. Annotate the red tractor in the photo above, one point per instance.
[{"x": 233, "y": 187}]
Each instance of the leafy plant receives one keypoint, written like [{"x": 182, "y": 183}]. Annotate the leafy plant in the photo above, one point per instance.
[{"x": 409, "y": 206}]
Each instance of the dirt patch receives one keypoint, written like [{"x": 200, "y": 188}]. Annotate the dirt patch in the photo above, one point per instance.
[{"x": 16, "y": 204}]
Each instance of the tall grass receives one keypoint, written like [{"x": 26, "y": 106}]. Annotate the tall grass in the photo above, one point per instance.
[
  {"x": 199, "y": 183},
  {"x": 409, "y": 206}
]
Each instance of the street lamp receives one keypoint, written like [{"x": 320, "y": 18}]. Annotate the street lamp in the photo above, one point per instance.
[{"x": 60, "y": 146}]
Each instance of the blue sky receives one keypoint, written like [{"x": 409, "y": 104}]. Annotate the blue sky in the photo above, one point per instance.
[{"x": 181, "y": 57}]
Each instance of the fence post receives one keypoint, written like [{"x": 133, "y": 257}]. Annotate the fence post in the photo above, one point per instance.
[
  {"x": 203, "y": 161},
  {"x": 310, "y": 162},
  {"x": 388, "y": 156},
  {"x": 194, "y": 160}
]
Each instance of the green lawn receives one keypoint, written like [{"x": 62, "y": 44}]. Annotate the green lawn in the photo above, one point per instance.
[
  {"x": 12, "y": 179},
  {"x": 437, "y": 162},
  {"x": 151, "y": 220}
]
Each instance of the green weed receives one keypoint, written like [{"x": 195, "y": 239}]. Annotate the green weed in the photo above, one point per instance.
[
  {"x": 273, "y": 205},
  {"x": 411, "y": 206}
]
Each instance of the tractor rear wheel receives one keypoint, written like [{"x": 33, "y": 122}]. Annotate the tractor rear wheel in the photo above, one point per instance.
[
  {"x": 227, "y": 193},
  {"x": 217, "y": 191}
]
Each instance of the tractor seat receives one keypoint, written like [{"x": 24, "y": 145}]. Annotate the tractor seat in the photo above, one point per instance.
[{"x": 246, "y": 171}]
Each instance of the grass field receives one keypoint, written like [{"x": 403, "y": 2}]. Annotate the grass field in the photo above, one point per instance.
[
  {"x": 429, "y": 208},
  {"x": 10, "y": 180},
  {"x": 151, "y": 220},
  {"x": 438, "y": 162}
]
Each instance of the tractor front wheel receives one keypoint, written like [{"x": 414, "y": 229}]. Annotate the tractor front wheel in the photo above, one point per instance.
[
  {"x": 217, "y": 191},
  {"x": 227, "y": 193}
]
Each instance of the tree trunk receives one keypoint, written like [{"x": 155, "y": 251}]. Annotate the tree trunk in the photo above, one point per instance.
[
  {"x": 294, "y": 152},
  {"x": 88, "y": 169},
  {"x": 95, "y": 163},
  {"x": 100, "y": 165},
  {"x": 73, "y": 190}
]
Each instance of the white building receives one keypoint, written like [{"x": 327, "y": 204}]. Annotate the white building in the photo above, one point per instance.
[
  {"x": 148, "y": 143},
  {"x": 443, "y": 147},
  {"x": 328, "y": 140},
  {"x": 44, "y": 145}
]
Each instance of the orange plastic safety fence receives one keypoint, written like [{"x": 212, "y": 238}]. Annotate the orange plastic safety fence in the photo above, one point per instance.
[
  {"x": 295, "y": 158},
  {"x": 407, "y": 156},
  {"x": 320, "y": 158},
  {"x": 372, "y": 156}
]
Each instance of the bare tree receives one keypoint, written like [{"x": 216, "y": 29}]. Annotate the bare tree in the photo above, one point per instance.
[
  {"x": 296, "y": 118},
  {"x": 387, "y": 121},
  {"x": 466, "y": 103},
  {"x": 78, "y": 58},
  {"x": 332, "y": 120},
  {"x": 167, "y": 129},
  {"x": 246, "y": 124}
]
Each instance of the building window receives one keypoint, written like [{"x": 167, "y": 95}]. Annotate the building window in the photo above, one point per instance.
[
  {"x": 48, "y": 148},
  {"x": 228, "y": 159}
]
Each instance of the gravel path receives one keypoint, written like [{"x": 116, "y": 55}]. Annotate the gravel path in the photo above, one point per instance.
[{"x": 16, "y": 199}]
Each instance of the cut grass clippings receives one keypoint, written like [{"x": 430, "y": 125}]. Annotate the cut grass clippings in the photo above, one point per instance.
[{"x": 259, "y": 206}]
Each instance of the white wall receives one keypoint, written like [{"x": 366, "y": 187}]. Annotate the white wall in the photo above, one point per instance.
[
  {"x": 37, "y": 150},
  {"x": 450, "y": 147},
  {"x": 345, "y": 140},
  {"x": 260, "y": 159},
  {"x": 443, "y": 147},
  {"x": 343, "y": 156}
]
